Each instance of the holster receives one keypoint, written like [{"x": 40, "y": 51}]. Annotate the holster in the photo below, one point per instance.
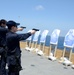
[
  {"x": 14, "y": 61},
  {"x": 18, "y": 65}
]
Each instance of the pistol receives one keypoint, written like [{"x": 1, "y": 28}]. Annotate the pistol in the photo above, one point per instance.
[
  {"x": 35, "y": 29},
  {"x": 23, "y": 27}
]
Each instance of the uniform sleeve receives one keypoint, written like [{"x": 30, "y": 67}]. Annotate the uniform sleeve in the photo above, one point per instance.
[
  {"x": 3, "y": 30},
  {"x": 23, "y": 36}
]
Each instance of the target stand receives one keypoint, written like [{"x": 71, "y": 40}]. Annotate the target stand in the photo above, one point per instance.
[
  {"x": 28, "y": 42},
  {"x": 53, "y": 41},
  {"x": 68, "y": 43},
  {"x": 35, "y": 40},
  {"x": 41, "y": 49}
]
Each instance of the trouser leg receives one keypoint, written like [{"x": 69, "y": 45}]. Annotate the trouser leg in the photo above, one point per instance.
[
  {"x": 3, "y": 65},
  {"x": 0, "y": 66},
  {"x": 12, "y": 70}
]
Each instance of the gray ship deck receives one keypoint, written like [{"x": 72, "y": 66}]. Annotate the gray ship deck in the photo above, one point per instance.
[{"x": 38, "y": 65}]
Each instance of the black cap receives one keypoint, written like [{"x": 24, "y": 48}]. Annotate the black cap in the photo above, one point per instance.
[
  {"x": 3, "y": 21},
  {"x": 12, "y": 23}
]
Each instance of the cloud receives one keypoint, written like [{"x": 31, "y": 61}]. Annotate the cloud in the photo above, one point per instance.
[{"x": 39, "y": 7}]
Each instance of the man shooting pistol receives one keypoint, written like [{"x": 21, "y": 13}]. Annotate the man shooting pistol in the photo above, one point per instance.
[{"x": 14, "y": 51}]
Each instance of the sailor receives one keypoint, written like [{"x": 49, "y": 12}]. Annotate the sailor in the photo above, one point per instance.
[
  {"x": 3, "y": 32},
  {"x": 14, "y": 52}
]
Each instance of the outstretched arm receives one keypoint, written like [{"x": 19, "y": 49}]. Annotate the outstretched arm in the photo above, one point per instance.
[
  {"x": 20, "y": 29},
  {"x": 26, "y": 35}
]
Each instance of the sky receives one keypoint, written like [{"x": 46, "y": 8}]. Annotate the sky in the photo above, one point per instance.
[{"x": 40, "y": 14}]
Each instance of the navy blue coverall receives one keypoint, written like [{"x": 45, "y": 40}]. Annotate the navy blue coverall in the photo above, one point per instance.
[
  {"x": 14, "y": 52},
  {"x": 3, "y": 32}
]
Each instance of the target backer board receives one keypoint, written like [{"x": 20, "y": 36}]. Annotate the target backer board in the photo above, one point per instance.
[
  {"x": 36, "y": 36},
  {"x": 55, "y": 36},
  {"x": 30, "y": 37},
  {"x": 43, "y": 36},
  {"x": 69, "y": 39}
]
